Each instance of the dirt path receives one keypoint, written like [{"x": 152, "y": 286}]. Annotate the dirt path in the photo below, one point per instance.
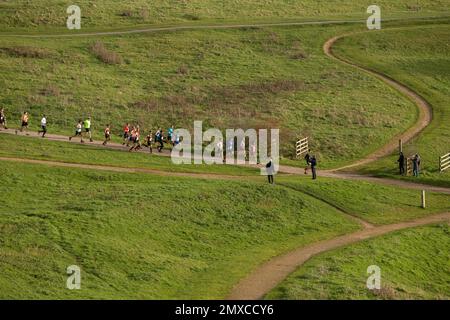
[
  {"x": 425, "y": 110},
  {"x": 166, "y": 153},
  {"x": 270, "y": 274},
  {"x": 125, "y": 170}
]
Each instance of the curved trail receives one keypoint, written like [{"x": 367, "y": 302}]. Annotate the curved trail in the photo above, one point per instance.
[
  {"x": 425, "y": 110},
  {"x": 270, "y": 274},
  {"x": 274, "y": 271}
]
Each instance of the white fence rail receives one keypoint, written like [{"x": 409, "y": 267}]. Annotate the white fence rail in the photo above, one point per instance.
[
  {"x": 301, "y": 146},
  {"x": 444, "y": 162}
]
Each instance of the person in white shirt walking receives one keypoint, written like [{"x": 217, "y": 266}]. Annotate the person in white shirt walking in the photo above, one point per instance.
[{"x": 43, "y": 126}]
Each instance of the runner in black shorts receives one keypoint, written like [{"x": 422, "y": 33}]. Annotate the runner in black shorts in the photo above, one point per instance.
[
  {"x": 78, "y": 131},
  {"x": 107, "y": 135}
]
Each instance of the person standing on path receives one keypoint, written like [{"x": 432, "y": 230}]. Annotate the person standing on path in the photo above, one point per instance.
[
  {"x": 269, "y": 170},
  {"x": 43, "y": 126},
  {"x": 401, "y": 163},
  {"x": 313, "y": 163},
  {"x": 416, "y": 165},
  {"x": 307, "y": 159},
  {"x": 87, "y": 128}
]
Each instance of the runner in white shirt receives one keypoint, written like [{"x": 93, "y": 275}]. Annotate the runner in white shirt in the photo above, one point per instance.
[{"x": 43, "y": 126}]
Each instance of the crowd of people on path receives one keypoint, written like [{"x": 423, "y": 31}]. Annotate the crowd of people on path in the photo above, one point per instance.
[{"x": 132, "y": 139}]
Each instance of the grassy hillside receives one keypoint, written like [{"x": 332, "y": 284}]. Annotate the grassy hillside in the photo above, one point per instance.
[
  {"x": 414, "y": 265},
  {"x": 251, "y": 77},
  {"x": 51, "y": 14},
  {"x": 29, "y": 148},
  {"x": 387, "y": 204},
  {"x": 139, "y": 236},
  {"x": 422, "y": 64},
  {"x": 143, "y": 237}
]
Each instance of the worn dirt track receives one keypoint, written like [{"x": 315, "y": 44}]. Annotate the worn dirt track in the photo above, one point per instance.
[
  {"x": 271, "y": 273},
  {"x": 425, "y": 110}
]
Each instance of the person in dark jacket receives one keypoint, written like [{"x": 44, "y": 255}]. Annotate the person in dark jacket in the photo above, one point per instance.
[
  {"x": 313, "y": 163},
  {"x": 307, "y": 159},
  {"x": 401, "y": 163},
  {"x": 269, "y": 170}
]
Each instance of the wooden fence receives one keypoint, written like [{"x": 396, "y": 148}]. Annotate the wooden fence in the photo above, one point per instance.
[
  {"x": 301, "y": 146},
  {"x": 444, "y": 162}
]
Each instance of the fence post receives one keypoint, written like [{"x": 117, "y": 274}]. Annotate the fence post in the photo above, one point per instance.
[
  {"x": 423, "y": 199},
  {"x": 400, "y": 146}
]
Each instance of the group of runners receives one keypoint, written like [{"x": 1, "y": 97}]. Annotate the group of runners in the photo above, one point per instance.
[{"x": 132, "y": 139}]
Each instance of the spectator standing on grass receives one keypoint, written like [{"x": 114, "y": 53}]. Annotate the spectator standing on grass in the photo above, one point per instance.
[
  {"x": 307, "y": 159},
  {"x": 3, "y": 119},
  {"x": 43, "y": 126},
  {"x": 401, "y": 163},
  {"x": 313, "y": 163},
  {"x": 87, "y": 128},
  {"x": 269, "y": 170},
  {"x": 416, "y": 165}
]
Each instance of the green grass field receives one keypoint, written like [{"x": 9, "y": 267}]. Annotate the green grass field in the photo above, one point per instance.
[
  {"x": 142, "y": 236},
  {"x": 248, "y": 78},
  {"x": 51, "y": 14},
  {"x": 145, "y": 237},
  {"x": 31, "y": 148},
  {"x": 422, "y": 64},
  {"x": 414, "y": 264},
  {"x": 387, "y": 204}
]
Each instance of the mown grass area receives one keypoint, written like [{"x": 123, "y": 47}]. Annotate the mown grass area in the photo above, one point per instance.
[
  {"x": 51, "y": 14},
  {"x": 422, "y": 64},
  {"x": 377, "y": 204},
  {"x": 414, "y": 265},
  {"x": 41, "y": 149},
  {"x": 246, "y": 78},
  {"x": 145, "y": 237}
]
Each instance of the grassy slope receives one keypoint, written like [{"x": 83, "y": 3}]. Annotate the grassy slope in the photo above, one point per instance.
[
  {"x": 414, "y": 265},
  {"x": 33, "y": 148},
  {"x": 141, "y": 236},
  {"x": 270, "y": 77},
  {"x": 388, "y": 204},
  {"x": 422, "y": 64},
  {"x": 138, "y": 236},
  {"x": 51, "y": 14},
  {"x": 374, "y": 203}
]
